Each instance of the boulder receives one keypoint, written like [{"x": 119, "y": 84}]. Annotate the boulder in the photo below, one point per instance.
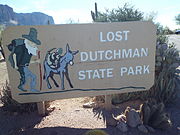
[
  {"x": 133, "y": 117},
  {"x": 150, "y": 129},
  {"x": 110, "y": 120},
  {"x": 122, "y": 126},
  {"x": 121, "y": 117},
  {"x": 89, "y": 105},
  {"x": 142, "y": 128}
]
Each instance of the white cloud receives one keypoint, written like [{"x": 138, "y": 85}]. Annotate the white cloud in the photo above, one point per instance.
[
  {"x": 64, "y": 15},
  {"x": 40, "y": 4},
  {"x": 167, "y": 20}
]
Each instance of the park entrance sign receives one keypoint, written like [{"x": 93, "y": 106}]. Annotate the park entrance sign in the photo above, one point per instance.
[{"x": 74, "y": 60}]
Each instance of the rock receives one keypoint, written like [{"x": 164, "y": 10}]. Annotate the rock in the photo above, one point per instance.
[
  {"x": 150, "y": 129},
  {"x": 178, "y": 128},
  {"x": 89, "y": 105},
  {"x": 121, "y": 117},
  {"x": 6, "y": 13},
  {"x": 142, "y": 128},
  {"x": 110, "y": 121},
  {"x": 15, "y": 113},
  {"x": 122, "y": 126},
  {"x": 35, "y": 18},
  {"x": 133, "y": 118}
]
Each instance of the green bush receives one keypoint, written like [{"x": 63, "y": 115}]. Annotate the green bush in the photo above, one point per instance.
[{"x": 120, "y": 14}]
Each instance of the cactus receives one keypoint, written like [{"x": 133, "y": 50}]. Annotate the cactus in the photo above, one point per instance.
[
  {"x": 94, "y": 15},
  {"x": 127, "y": 110},
  {"x": 153, "y": 114},
  {"x": 167, "y": 61},
  {"x": 145, "y": 113}
]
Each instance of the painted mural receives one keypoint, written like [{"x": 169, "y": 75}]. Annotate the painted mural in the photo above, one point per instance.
[
  {"x": 66, "y": 61},
  {"x": 22, "y": 49},
  {"x": 54, "y": 63}
]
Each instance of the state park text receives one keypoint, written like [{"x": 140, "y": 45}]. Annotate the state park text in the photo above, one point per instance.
[{"x": 113, "y": 55}]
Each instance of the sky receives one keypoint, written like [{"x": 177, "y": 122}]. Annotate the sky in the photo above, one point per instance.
[{"x": 63, "y": 11}]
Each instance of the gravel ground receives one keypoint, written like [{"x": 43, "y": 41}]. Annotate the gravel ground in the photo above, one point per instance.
[{"x": 70, "y": 118}]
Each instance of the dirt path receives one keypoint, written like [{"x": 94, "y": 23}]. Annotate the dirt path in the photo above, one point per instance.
[{"x": 70, "y": 113}]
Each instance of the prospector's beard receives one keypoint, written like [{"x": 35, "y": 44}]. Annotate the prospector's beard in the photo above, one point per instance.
[{"x": 31, "y": 50}]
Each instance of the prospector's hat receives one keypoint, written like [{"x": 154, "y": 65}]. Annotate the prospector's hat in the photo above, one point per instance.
[{"x": 32, "y": 36}]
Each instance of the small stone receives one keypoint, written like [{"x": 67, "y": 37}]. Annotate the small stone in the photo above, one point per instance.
[
  {"x": 150, "y": 129},
  {"x": 89, "y": 105},
  {"x": 122, "y": 126},
  {"x": 110, "y": 121},
  {"x": 178, "y": 128},
  {"x": 15, "y": 113},
  {"x": 142, "y": 128},
  {"x": 133, "y": 118},
  {"x": 121, "y": 117}
]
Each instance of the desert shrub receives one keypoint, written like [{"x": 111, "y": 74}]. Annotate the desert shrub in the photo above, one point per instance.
[
  {"x": 167, "y": 63},
  {"x": 152, "y": 114},
  {"x": 161, "y": 39},
  {"x": 95, "y": 132},
  {"x": 167, "y": 31},
  {"x": 120, "y": 14},
  {"x": 10, "y": 105},
  {"x": 100, "y": 99},
  {"x": 120, "y": 98}
]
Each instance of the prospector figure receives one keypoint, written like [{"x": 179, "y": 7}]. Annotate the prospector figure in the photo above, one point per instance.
[{"x": 22, "y": 49}]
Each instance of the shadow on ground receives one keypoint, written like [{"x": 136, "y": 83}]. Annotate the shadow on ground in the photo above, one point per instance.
[
  {"x": 79, "y": 131},
  {"x": 23, "y": 124},
  {"x": 53, "y": 131},
  {"x": 13, "y": 122}
]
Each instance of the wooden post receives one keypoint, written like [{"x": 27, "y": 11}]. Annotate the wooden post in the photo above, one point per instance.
[
  {"x": 41, "y": 108},
  {"x": 108, "y": 102}
]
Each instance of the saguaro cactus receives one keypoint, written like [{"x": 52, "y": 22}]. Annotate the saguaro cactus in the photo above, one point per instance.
[{"x": 94, "y": 15}]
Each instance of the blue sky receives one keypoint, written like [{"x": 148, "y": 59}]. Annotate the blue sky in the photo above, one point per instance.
[{"x": 79, "y": 10}]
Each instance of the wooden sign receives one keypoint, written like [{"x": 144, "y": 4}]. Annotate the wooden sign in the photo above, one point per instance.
[{"x": 65, "y": 61}]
